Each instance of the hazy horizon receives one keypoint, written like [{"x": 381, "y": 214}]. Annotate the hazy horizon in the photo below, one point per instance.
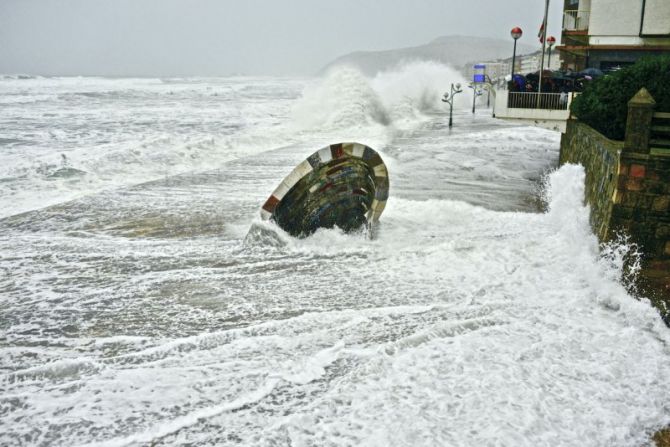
[{"x": 258, "y": 37}]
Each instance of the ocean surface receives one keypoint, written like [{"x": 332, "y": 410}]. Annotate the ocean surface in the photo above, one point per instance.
[{"x": 144, "y": 302}]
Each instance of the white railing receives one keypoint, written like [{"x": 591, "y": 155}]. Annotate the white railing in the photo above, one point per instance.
[
  {"x": 576, "y": 20},
  {"x": 534, "y": 100}
]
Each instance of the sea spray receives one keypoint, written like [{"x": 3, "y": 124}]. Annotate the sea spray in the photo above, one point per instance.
[
  {"x": 458, "y": 325},
  {"x": 619, "y": 259},
  {"x": 400, "y": 97},
  {"x": 344, "y": 98},
  {"x": 414, "y": 89},
  {"x": 124, "y": 132}
]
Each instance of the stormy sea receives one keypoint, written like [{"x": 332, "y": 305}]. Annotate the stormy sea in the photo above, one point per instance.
[{"x": 144, "y": 302}]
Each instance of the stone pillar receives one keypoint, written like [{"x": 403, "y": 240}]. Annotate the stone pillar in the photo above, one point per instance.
[{"x": 638, "y": 125}]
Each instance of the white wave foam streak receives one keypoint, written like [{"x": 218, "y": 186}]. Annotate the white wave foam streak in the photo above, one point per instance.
[
  {"x": 95, "y": 134},
  {"x": 457, "y": 326},
  {"x": 550, "y": 361},
  {"x": 64, "y": 138},
  {"x": 222, "y": 375},
  {"x": 529, "y": 387}
]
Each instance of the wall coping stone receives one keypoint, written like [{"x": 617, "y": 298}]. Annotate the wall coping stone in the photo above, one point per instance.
[{"x": 642, "y": 99}]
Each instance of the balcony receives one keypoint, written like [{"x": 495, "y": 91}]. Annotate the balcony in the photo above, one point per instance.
[{"x": 576, "y": 20}]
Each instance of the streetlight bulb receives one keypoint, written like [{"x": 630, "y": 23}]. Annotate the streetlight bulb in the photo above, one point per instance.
[{"x": 458, "y": 86}]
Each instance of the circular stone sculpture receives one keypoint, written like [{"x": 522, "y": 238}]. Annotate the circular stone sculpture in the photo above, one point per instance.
[{"x": 344, "y": 185}]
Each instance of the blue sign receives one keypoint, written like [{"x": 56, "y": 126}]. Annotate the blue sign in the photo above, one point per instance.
[
  {"x": 479, "y": 78},
  {"x": 480, "y": 66}
]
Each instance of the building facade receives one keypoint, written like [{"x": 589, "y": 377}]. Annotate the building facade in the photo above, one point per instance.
[
  {"x": 606, "y": 34},
  {"x": 494, "y": 70},
  {"x": 530, "y": 63}
]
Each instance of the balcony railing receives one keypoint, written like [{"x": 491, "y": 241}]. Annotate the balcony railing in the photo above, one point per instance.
[
  {"x": 529, "y": 100},
  {"x": 576, "y": 20}
]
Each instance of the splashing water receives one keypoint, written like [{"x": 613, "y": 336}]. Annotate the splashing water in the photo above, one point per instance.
[
  {"x": 120, "y": 132},
  {"x": 140, "y": 315}
]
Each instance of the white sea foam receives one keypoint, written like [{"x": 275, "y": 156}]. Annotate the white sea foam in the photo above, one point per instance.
[
  {"x": 458, "y": 325},
  {"x": 123, "y": 132},
  {"x": 120, "y": 132}
]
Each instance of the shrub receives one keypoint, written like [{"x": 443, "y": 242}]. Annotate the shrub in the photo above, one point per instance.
[{"x": 604, "y": 103}]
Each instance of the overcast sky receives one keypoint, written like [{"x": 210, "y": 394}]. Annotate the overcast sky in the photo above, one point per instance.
[{"x": 222, "y": 37}]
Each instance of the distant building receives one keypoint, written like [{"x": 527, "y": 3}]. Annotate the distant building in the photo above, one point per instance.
[
  {"x": 494, "y": 70},
  {"x": 606, "y": 34},
  {"x": 527, "y": 63},
  {"x": 530, "y": 63},
  {"x": 497, "y": 70}
]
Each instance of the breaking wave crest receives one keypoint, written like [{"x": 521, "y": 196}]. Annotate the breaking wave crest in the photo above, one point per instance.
[
  {"x": 416, "y": 88},
  {"x": 346, "y": 98},
  {"x": 138, "y": 130}
]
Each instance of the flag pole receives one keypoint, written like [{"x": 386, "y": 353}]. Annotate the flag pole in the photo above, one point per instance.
[{"x": 544, "y": 33}]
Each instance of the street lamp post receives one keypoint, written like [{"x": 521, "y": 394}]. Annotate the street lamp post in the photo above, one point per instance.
[
  {"x": 488, "y": 85},
  {"x": 551, "y": 40},
  {"x": 474, "y": 96},
  {"x": 449, "y": 98},
  {"x": 515, "y": 33},
  {"x": 475, "y": 92}
]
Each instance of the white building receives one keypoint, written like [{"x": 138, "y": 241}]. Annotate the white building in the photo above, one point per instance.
[
  {"x": 495, "y": 70},
  {"x": 609, "y": 33},
  {"x": 531, "y": 62},
  {"x": 601, "y": 34}
]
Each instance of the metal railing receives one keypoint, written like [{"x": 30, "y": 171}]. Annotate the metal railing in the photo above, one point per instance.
[
  {"x": 529, "y": 100},
  {"x": 576, "y": 20}
]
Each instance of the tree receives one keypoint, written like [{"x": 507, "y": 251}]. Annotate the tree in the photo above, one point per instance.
[{"x": 604, "y": 103}]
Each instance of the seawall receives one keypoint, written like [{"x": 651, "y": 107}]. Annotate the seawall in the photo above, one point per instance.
[{"x": 628, "y": 189}]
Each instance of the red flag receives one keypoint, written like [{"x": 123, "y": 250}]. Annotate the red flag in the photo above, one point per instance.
[{"x": 540, "y": 35}]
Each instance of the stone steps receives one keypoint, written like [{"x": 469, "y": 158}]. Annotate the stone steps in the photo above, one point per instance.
[
  {"x": 660, "y": 129},
  {"x": 659, "y": 143}
]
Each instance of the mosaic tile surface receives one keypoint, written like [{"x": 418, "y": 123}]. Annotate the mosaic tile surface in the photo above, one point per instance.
[{"x": 344, "y": 185}]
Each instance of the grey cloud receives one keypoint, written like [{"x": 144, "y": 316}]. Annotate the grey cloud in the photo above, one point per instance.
[{"x": 221, "y": 37}]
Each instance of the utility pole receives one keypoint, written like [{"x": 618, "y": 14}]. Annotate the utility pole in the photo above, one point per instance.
[
  {"x": 515, "y": 33},
  {"x": 544, "y": 33}
]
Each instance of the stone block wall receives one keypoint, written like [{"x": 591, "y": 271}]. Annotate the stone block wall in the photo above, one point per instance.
[
  {"x": 581, "y": 144},
  {"x": 642, "y": 209},
  {"x": 643, "y": 201}
]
